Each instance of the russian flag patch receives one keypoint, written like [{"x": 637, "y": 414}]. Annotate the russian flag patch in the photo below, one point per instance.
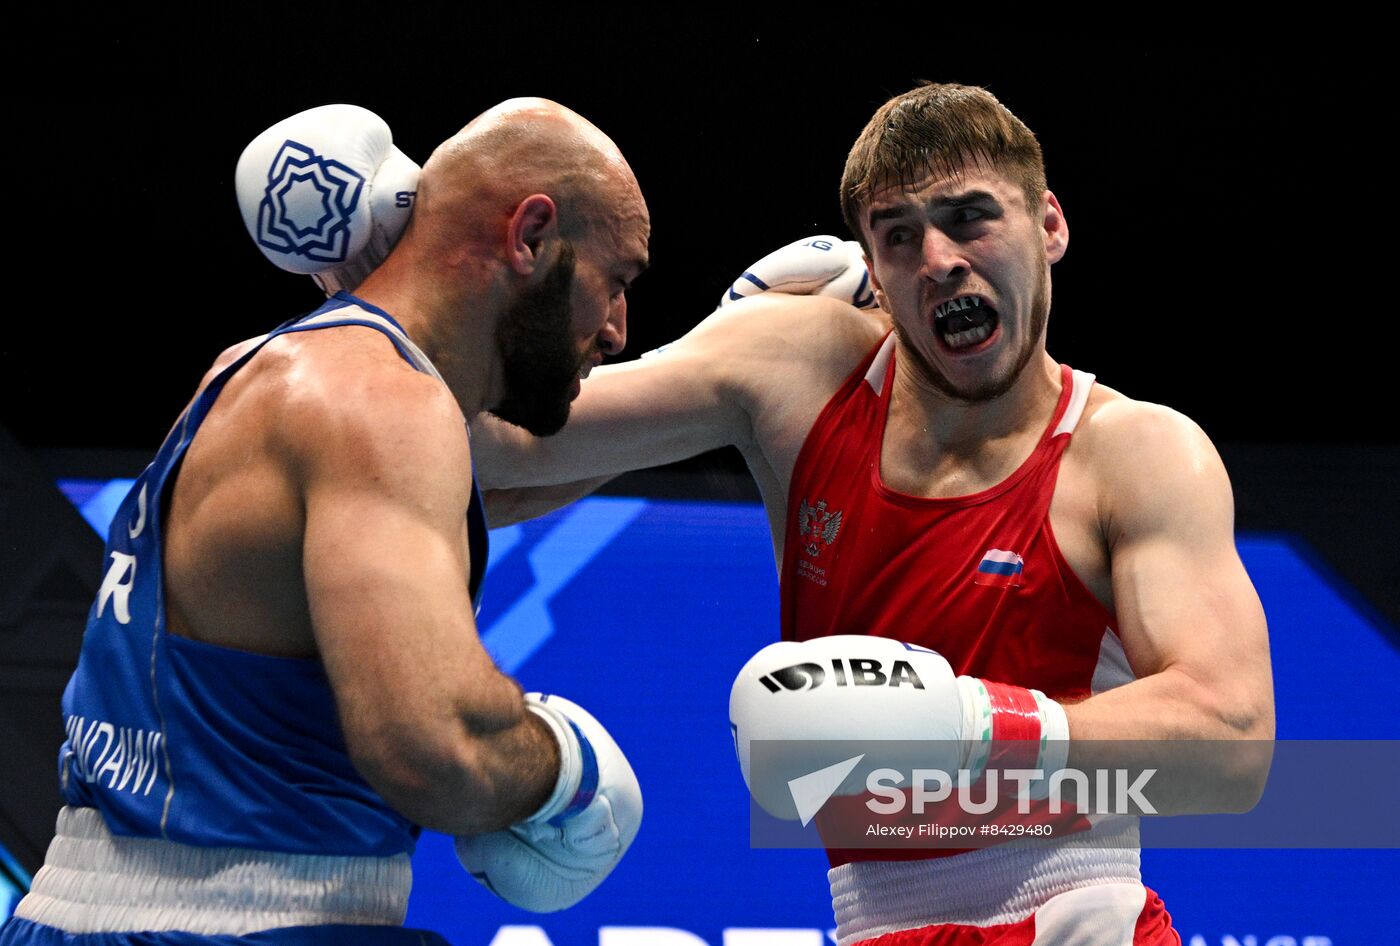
[{"x": 999, "y": 569}]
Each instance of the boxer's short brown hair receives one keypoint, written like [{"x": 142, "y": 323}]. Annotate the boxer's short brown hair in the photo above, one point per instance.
[{"x": 938, "y": 128}]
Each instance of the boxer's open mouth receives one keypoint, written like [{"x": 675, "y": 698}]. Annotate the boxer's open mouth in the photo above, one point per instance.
[{"x": 964, "y": 321}]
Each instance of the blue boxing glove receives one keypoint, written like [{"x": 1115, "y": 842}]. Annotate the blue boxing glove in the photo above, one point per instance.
[{"x": 558, "y": 855}]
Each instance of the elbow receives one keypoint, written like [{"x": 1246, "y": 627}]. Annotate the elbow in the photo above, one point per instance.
[
  {"x": 443, "y": 788},
  {"x": 1229, "y": 744},
  {"x": 1246, "y": 715},
  {"x": 1225, "y": 707},
  {"x": 1246, "y": 751},
  {"x": 431, "y": 782},
  {"x": 1246, "y": 775},
  {"x": 441, "y": 776}
]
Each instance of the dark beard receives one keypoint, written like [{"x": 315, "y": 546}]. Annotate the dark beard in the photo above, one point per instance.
[
  {"x": 994, "y": 387},
  {"x": 538, "y": 359}
]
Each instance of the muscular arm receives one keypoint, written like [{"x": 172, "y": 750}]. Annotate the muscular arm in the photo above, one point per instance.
[
  {"x": 747, "y": 376},
  {"x": 506, "y": 507},
  {"x": 1190, "y": 621},
  {"x": 629, "y": 416},
  {"x": 432, "y": 725}
]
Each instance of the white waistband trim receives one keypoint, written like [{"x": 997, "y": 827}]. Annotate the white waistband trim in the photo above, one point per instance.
[
  {"x": 1003, "y": 884},
  {"x": 95, "y": 882}
]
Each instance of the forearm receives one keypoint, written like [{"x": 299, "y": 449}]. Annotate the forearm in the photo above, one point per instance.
[
  {"x": 507, "y": 457},
  {"x": 478, "y": 769},
  {"x": 629, "y": 416},
  {"x": 1211, "y": 745},
  {"x": 506, "y": 507}
]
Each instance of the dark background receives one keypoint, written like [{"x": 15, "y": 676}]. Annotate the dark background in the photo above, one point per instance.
[{"x": 1213, "y": 188}]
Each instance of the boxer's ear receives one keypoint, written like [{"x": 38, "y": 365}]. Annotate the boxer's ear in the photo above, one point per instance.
[
  {"x": 1056, "y": 228},
  {"x": 880, "y": 299},
  {"x": 533, "y": 226}
]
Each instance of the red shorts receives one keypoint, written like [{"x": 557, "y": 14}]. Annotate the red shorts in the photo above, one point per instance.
[{"x": 1104, "y": 915}]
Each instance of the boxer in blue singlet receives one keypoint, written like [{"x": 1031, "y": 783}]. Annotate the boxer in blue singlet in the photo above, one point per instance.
[{"x": 281, "y": 680}]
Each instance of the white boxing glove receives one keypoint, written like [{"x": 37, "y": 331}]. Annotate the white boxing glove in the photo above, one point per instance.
[
  {"x": 558, "y": 855},
  {"x": 816, "y": 266},
  {"x": 326, "y": 193},
  {"x": 822, "y": 702}
]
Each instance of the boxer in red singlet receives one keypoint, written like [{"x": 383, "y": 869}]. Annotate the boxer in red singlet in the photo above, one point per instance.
[{"x": 952, "y": 485}]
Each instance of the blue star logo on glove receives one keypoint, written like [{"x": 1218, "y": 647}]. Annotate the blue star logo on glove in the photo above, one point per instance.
[{"x": 307, "y": 205}]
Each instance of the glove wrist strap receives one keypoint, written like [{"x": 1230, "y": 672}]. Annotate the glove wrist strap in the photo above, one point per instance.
[
  {"x": 1011, "y": 727},
  {"x": 578, "y": 765}
]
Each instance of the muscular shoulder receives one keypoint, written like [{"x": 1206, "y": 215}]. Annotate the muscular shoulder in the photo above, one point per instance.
[
  {"x": 1121, "y": 431},
  {"x": 341, "y": 404},
  {"x": 1153, "y": 466}
]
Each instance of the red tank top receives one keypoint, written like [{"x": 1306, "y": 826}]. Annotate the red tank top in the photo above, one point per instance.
[{"x": 977, "y": 578}]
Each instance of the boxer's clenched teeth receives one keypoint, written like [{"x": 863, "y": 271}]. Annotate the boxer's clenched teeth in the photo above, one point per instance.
[{"x": 964, "y": 321}]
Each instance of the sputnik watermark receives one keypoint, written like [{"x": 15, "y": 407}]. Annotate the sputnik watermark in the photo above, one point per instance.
[
  {"x": 1115, "y": 791},
  {"x": 1207, "y": 794}
]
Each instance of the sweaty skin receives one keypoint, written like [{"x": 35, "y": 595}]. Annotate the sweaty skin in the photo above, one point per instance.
[
  {"x": 321, "y": 510},
  {"x": 1142, "y": 508}
]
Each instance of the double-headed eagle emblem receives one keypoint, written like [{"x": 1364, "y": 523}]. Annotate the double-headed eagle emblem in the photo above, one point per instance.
[{"x": 816, "y": 523}]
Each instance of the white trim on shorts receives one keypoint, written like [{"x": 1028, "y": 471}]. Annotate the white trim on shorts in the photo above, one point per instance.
[
  {"x": 95, "y": 882},
  {"x": 987, "y": 887}
]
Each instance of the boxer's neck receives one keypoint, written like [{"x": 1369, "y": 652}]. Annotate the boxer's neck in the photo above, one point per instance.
[
  {"x": 453, "y": 321},
  {"x": 926, "y": 425}
]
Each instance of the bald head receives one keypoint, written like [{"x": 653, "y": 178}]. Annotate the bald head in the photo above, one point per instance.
[
  {"x": 527, "y": 230},
  {"x": 519, "y": 148}
]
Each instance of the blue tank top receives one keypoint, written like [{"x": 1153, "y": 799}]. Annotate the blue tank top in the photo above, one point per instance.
[{"x": 199, "y": 744}]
